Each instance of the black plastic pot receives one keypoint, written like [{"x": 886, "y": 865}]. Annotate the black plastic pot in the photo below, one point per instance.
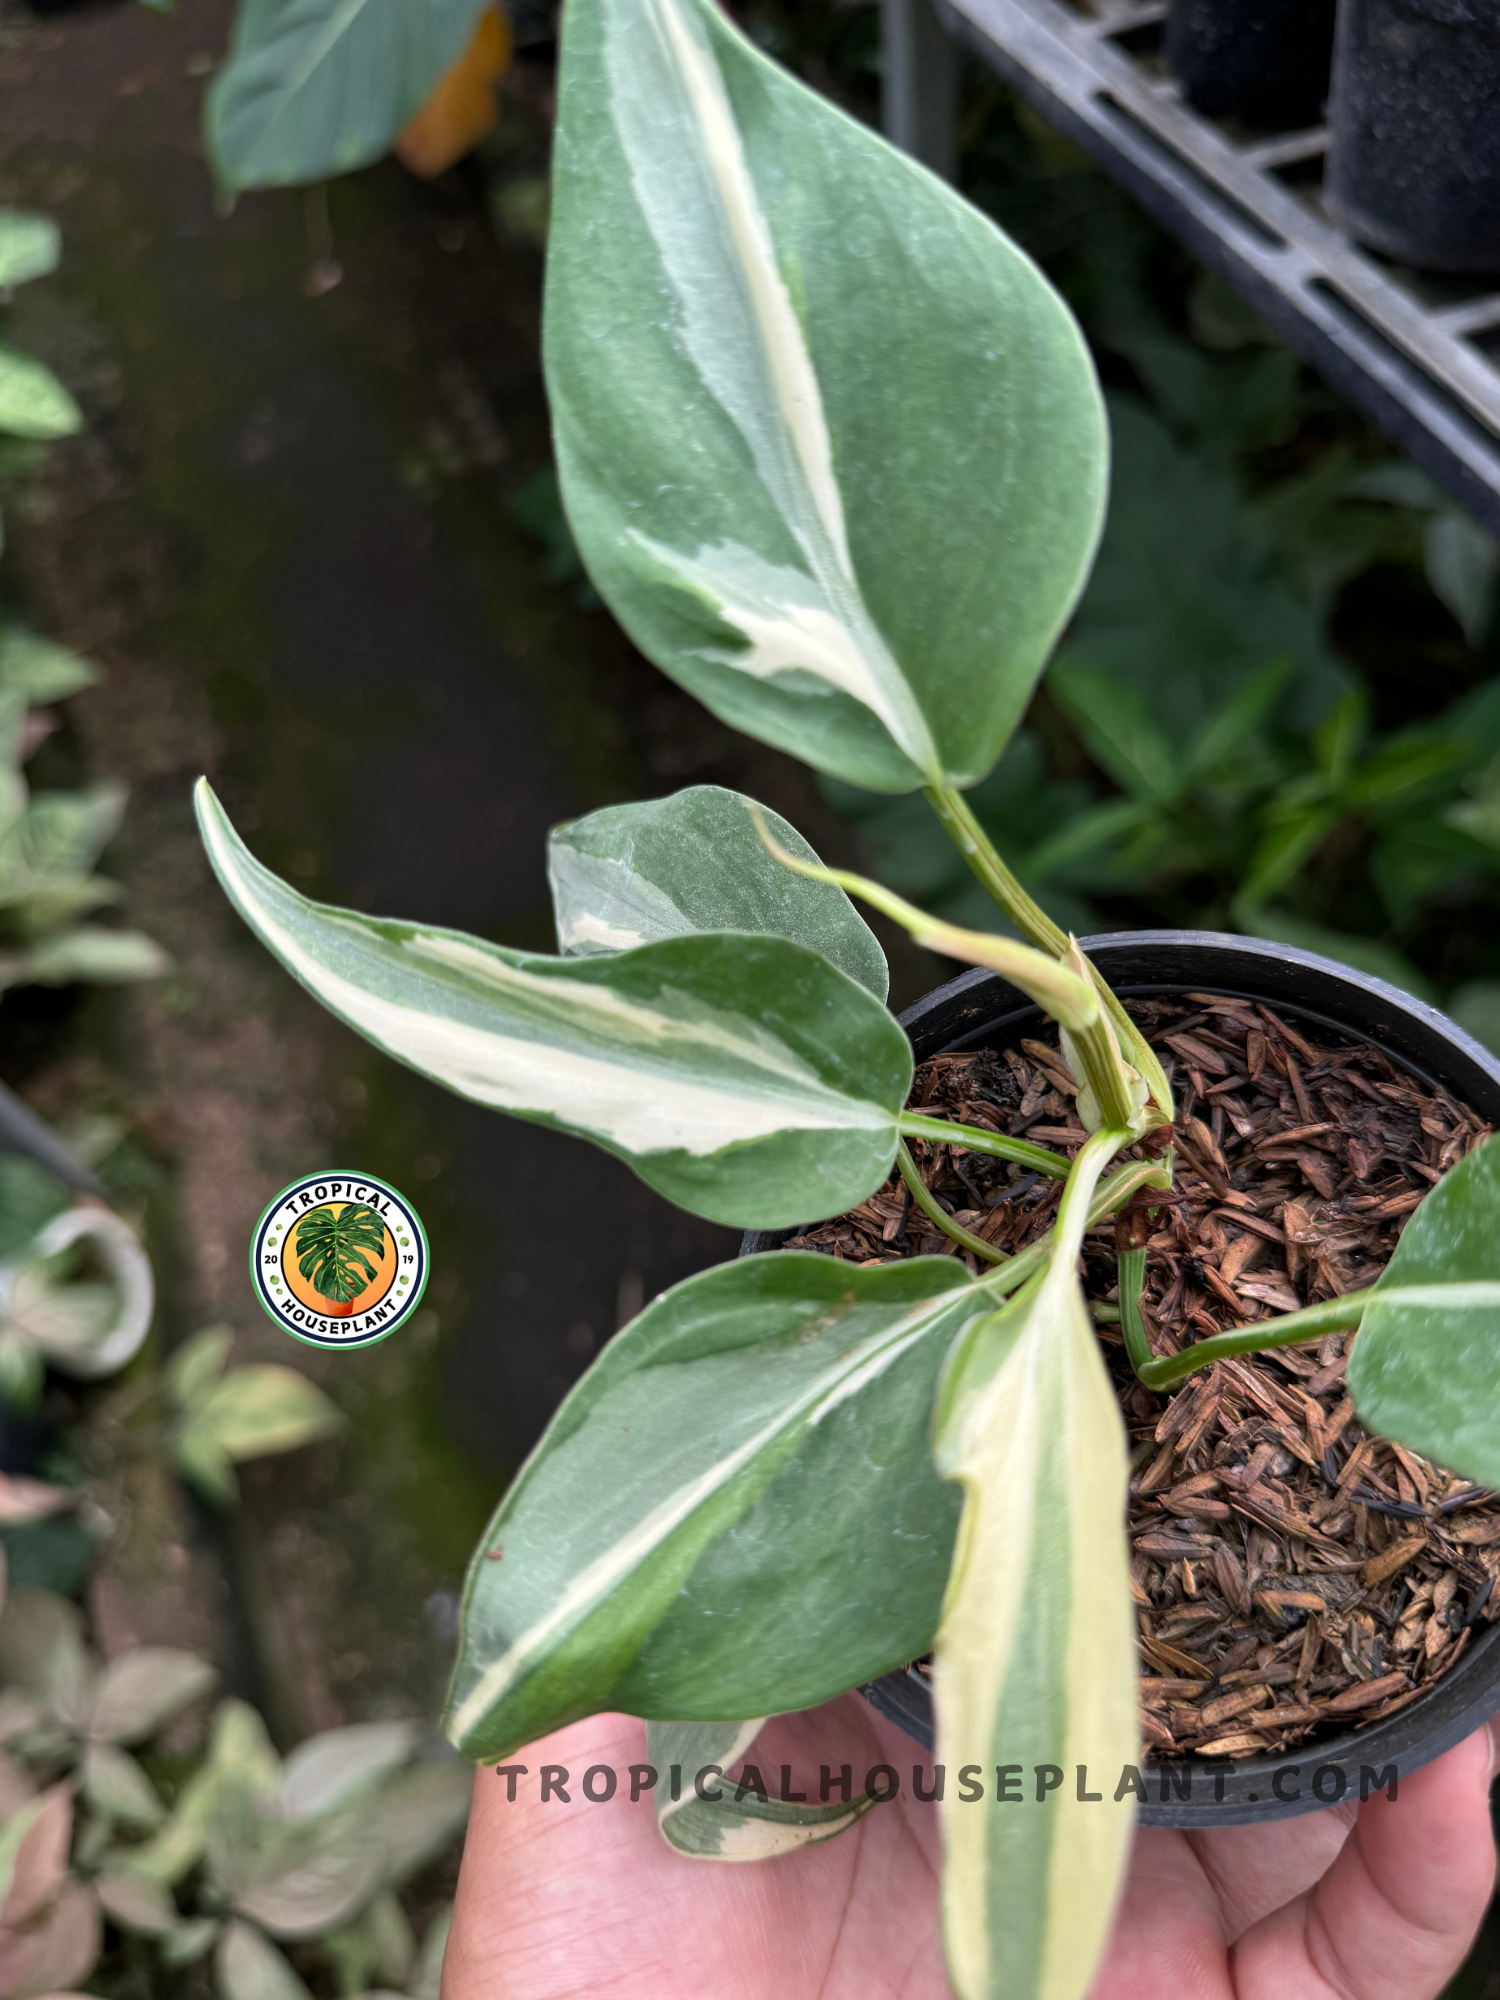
[
  {"x": 1266, "y": 61},
  {"x": 979, "y": 1010},
  {"x": 1414, "y": 120}
]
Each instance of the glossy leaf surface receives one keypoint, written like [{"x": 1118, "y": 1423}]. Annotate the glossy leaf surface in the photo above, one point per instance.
[
  {"x": 831, "y": 447},
  {"x": 736, "y": 1508},
  {"x": 631, "y": 874},
  {"x": 743, "y": 1077}
]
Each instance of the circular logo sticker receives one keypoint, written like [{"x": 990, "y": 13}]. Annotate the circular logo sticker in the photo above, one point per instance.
[{"x": 339, "y": 1260}]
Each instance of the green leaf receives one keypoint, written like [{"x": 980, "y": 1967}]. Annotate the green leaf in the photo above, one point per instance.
[
  {"x": 197, "y": 1365},
  {"x": 137, "y": 1904},
  {"x": 318, "y": 87},
  {"x": 29, "y": 246},
  {"x": 632, "y": 874},
  {"x": 115, "y": 1784},
  {"x": 832, "y": 448},
  {"x": 334, "y": 1248},
  {"x": 726, "y": 1828},
  {"x": 33, "y": 403},
  {"x": 42, "y": 1652},
  {"x": 90, "y": 953},
  {"x": 142, "y": 1690},
  {"x": 328, "y": 1770},
  {"x": 1461, "y": 561},
  {"x": 256, "y": 1411},
  {"x": 420, "y": 1812},
  {"x": 1034, "y": 1663},
  {"x": 249, "y": 1967},
  {"x": 745, "y": 1078},
  {"x": 39, "y": 670},
  {"x": 236, "y": 1782},
  {"x": 1424, "y": 1372},
  {"x": 736, "y": 1508},
  {"x": 63, "y": 833},
  {"x": 1476, "y": 1009},
  {"x": 1120, "y": 732}
]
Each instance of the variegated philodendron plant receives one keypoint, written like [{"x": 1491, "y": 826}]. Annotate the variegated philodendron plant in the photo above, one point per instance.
[{"x": 835, "y": 455}]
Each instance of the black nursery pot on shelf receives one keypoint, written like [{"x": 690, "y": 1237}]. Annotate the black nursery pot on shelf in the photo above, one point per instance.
[
  {"x": 1414, "y": 130},
  {"x": 979, "y": 1010},
  {"x": 1266, "y": 61}
]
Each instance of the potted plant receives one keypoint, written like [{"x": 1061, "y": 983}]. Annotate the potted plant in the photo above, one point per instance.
[
  {"x": 1414, "y": 124},
  {"x": 835, "y": 455}
]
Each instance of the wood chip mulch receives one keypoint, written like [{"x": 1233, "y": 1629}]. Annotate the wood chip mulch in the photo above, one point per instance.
[{"x": 1295, "y": 1577}]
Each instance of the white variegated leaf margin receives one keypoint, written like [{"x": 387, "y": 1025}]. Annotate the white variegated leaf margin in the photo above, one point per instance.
[
  {"x": 745, "y": 1077},
  {"x": 1034, "y": 1662},
  {"x": 831, "y": 448},
  {"x": 711, "y": 1823},
  {"x": 628, "y": 875},
  {"x": 759, "y": 1432}
]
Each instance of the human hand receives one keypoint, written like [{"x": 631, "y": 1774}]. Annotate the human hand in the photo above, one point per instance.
[{"x": 1371, "y": 1902}]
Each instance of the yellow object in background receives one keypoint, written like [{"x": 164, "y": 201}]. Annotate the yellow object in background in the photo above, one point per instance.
[{"x": 462, "y": 107}]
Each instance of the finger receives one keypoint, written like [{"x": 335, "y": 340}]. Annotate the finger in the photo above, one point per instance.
[
  {"x": 1256, "y": 1869},
  {"x": 1394, "y": 1916}
]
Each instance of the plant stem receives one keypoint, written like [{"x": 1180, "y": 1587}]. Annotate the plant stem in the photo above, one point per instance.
[
  {"x": 1132, "y": 1269},
  {"x": 1331, "y": 1316},
  {"x": 933, "y": 1209},
  {"x": 940, "y": 1132},
  {"x": 1111, "y": 1193},
  {"x": 1032, "y": 921}
]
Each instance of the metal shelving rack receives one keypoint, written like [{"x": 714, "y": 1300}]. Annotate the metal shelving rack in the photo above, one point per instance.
[{"x": 1420, "y": 355}]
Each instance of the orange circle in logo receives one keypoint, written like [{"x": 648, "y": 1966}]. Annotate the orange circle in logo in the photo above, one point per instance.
[{"x": 385, "y": 1267}]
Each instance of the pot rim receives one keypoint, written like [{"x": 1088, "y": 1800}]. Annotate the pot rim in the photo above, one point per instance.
[{"x": 979, "y": 1004}]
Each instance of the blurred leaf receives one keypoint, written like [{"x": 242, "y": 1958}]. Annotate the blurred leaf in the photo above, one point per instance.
[
  {"x": 137, "y": 1904},
  {"x": 236, "y": 1781},
  {"x": 60, "y": 1952},
  {"x": 1476, "y": 1009},
  {"x": 29, "y": 1198},
  {"x": 254, "y": 1411},
  {"x": 1461, "y": 563},
  {"x": 33, "y": 403},
  {"x": 197, "y": 1365},
  {"x": 87, "y": 1330},
  {"x": 1119, "y": 732},
  {"x": 327, "y": 1770},
  {"x": 189, "y": 1941},
  {"x": 114, "y": 1783},
  {"x": 429, "y": 1970},
  {"x": 88, "y": 953},
  {"x": 29, "y": 246},
  {"x": 34, "y": 1856},
  {"x": 41, "y": 1651},
  {"x": 141, "y": 1690},
  {"x": 421, "y": 1811},
  {"x": 378, "y": 1944},
  {"x": 248, "y": 1967},
  {"x": 310, "y": 91},
  {"x": 38, "y": 669},
  {"x": 297, "y": 1879}
]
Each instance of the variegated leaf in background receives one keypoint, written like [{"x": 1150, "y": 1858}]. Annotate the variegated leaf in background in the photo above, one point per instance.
[
  {"x": 832, "y": 448},
  {"x": 1035, "y": 1658},
  {"x": 631, "y": 874},
  {"x": 735, "y": 1509},
  {"x": 745, "y": 1078},
  {"x": 727, "y": 1828},
  {"x": 318, "y": 87}
]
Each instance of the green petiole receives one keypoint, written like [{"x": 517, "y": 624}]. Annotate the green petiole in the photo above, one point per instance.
[
  {"x": 1132, "y": 1269},
  {"x": 1331, "y": 1316},
  {"x": 933, "y": 1209},
  {"x": 939, "y": 1132}
]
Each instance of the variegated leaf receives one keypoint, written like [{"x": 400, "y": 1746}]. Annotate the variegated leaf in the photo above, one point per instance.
[
  {"x": 1425, "y": 1369},
  {"x": 735, "y": 1509},
  {"x": 737, "y": 1824},
  {"x": 832, "y": 448},
  {"x": 1034, "y": 1667},
  {"x": 745, "y": 1078},
  {"x": 631, "y": 874}
]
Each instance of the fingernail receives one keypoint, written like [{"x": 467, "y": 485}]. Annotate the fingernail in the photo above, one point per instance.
[{"x": 1492, "y": 1730}]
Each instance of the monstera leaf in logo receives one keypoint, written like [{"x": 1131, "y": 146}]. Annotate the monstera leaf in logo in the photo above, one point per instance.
[{"x": 332, "y": 1247}]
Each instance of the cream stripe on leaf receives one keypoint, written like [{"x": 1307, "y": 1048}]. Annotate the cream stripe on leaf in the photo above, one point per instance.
[
  {"x": 694, "y": 862},
  {"x": 726, "y": 1820},
  {"x": 1035, "y": 1656},
  {"x": 745, "y": 1077},
  {"x": 734, "y": 1512},
  {"x": 832, "y": 448},
  {"x": 1426, "y": 1367}
]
